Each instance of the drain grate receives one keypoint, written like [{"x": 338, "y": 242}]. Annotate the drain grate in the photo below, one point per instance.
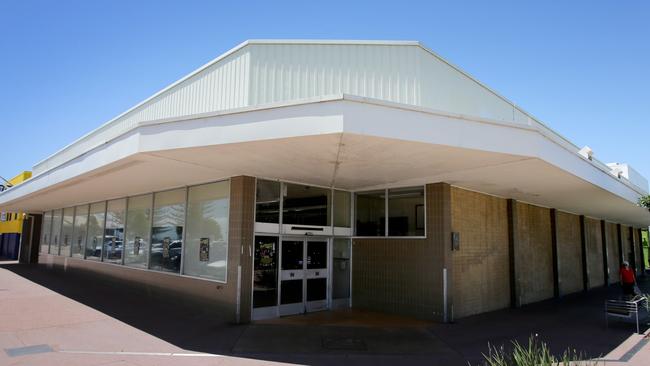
[
  {"x": 29, "y": 350},
  {"x": 344, "y": 344}
]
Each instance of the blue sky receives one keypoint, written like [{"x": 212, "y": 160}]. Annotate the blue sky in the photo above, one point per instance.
[{"x": 66, "y": 67}]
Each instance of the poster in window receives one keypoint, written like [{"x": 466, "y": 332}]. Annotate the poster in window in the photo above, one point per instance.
[
  {"x": 136, "y": 245},
  {"x": 204, "y": 250},
  {"x": 266, "y": 255},
  {"x": 166, "y": 242}
]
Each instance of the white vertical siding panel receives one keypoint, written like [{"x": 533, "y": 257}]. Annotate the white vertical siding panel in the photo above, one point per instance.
[
  {"x": 245, "y": 83},
  {"x": 296, "y": 71},
  {"x": 227, "y": 73},
  {"x": 195, "y": 95},
  {"x": 265, "y": 73},
  {"x": 398, "y": 73},
  {"x": 220, "y": 81}
]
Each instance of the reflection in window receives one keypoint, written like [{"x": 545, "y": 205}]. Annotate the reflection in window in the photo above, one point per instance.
[
  {"x": 45, "y": 232},
  {"x": 138, "y": 229},
  {"x": 267, "y": 207},
  {"x": 56, "y": 231},
  {"x": 80, "y": 229},
  {"x": 114, "y": 231},
  {"x": 95, "y": 230},
  {"x": 342, "y": 201},
  {"x": 265, "y": 272},
  {"x": 66, "y": 231},
  {"x": 206, "y": 243},
  {"x": 370, "y": 213},
  {"x": 406, "y": 211},
  {"x": 306, "y": 205},
  {"x": 167, "y": 231}
]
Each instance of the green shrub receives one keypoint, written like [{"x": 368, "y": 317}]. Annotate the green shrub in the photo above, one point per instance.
[
  {"x": 645, "y": 202},
  {"x": 536, "y": 353}
]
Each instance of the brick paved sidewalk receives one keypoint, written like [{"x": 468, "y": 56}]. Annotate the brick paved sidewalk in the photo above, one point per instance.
[
  {"x": 41, "y": 327},
  {"x": 110, "y": 323}
]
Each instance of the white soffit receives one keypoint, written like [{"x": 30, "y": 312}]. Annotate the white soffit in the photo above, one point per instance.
[{"x": 346, "y": 142}]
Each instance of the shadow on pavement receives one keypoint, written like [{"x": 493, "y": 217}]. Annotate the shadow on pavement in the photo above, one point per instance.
[
  {"x": 352, "y": 337},
  {"x": 576, "y": 321},
  {"x": 188, "y": 324}
]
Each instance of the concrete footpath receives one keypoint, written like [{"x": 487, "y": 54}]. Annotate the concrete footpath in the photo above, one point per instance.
[{"x": 55, "y": 318}]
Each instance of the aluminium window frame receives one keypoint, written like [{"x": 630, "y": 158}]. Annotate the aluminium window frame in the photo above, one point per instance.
[
  {"x": 387, "y": 214},
  {"x": 148, "y": 264}
]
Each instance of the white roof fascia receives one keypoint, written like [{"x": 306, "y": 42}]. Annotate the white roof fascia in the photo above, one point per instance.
[
  {"x": 547, "y": 133},
  {"x": 595, "y": 161}
]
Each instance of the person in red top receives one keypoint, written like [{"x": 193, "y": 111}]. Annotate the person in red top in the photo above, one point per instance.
[{"x": 627, "y": 279}]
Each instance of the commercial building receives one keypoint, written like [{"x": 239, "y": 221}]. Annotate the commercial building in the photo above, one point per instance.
[
  {"x": 11, "y": 223},
  {"x": 292, "y": 176}
]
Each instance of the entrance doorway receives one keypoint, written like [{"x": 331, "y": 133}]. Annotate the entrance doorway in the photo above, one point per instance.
[
  {"x": 300, "y": 274},
  {"x": 304, "y": 275}
]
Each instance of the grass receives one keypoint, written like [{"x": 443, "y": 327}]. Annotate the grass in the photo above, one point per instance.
[{"x": 535, "y": 353}]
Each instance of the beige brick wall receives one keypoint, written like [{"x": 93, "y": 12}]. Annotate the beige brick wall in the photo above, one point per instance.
[
  {"x": 534, "y": 262},
  {"x": 595, "y": 264},
  {"x": 569, "y": 248},
  {"x": 391, "y": 275},
  {"x": 404, "y": 276},
  {"x": 613, "y": 260},
  {"x": 218, "y": 296},
  {"x": 481, "y": 279}
]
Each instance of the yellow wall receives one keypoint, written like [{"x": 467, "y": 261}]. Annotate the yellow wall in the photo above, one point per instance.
[
  {"x": 15, "y": 225},
  {"x": 20, "y": 178}
]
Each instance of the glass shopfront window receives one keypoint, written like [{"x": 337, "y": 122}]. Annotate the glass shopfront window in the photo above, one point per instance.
[
  {"x": 406, "y": 211},
  {"x": 80, "y": 231},
  {"x": 167, "y": 231},
  {"x": 138, "y": 229},
  {"x": 114, "y": 231},
  {"x": 267, "y": 208},
  {"x": 370, "y": 211},
  {"x": 306, "y": 205},
  {"x": 265, "y": 272},
  {"x": 205, "y": 251},
  {"x": 66, "y": 231},
  {"x": 46, "y": 230},
  {"x": 96, "y": 218},
  {"x": 342, "y": 211},
  {"x": 56, "y": 231}
]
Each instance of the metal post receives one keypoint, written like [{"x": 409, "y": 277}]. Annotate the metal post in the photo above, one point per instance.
[
  {"x": 238, "y": 309},
  {"x": 444, "y": 295}
]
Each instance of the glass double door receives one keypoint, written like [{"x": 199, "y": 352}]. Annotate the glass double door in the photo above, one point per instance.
[{"x": 303, "y": 275}]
